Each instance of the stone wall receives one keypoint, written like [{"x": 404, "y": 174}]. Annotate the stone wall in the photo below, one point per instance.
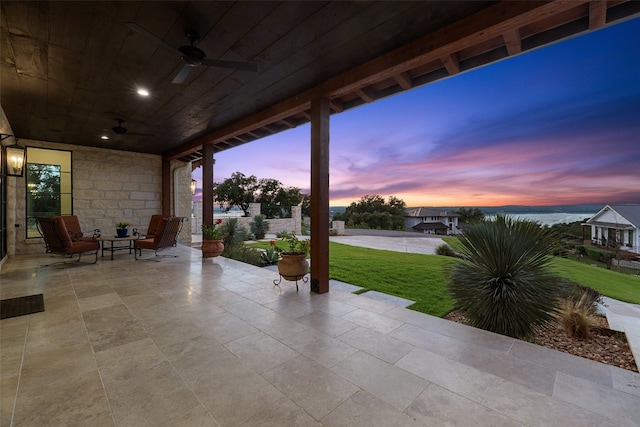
[
  {"x": 275, "y": 225},
  {"x": 109, "y": 186}
]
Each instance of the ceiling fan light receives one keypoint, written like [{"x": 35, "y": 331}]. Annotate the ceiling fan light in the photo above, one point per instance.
[{"x": 143, "y": 92}]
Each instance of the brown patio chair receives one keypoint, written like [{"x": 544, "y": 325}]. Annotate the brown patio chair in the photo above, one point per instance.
[
  {"x": 154, "y": 224},
  {"x": 164, "y": 237},
  {"x": 58, "y": 240},
  {"x": 73, "y": 227}
]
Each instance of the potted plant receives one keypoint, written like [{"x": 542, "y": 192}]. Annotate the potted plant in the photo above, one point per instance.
[
  {"x": 212, "y": 245},
  {"x": 121, "y": 229},
  {"x": 293, "y": 264}
]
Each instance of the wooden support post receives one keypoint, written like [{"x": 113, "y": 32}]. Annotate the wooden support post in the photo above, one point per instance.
[
  {"x": 166, "y": 186},
  {"x": 207, "y": 183},
  {"x": 320, "y": 110}
]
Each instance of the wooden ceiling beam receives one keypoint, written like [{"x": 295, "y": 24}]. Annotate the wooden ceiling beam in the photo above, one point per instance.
[
  {"x": 487, "y": 24},
  {"x": 597, "y": 14},
  {"x": 366, "y": 94},
  {"x": 404, "y": 80},
  {"x": 337, "y": 106},
  {"x": 494, "y": 21},
  {"x": 279, "y": 111},
  {"x": 451, "y": 63},
  {"x": 290, "y": 123},
  {"x": 512, "y": 42},
  {"x": 242, "y": 140},
  {"x": 270, "y": 130}
]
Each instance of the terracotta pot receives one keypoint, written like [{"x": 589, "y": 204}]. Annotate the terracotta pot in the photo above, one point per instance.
[
  {"x": 293, "y": 267},
  {"x": 212, "y": 248}
]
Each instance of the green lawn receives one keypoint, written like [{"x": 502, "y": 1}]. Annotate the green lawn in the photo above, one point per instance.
[
  {"x": 423, "y": 278},
  {"x": 609, "y": 283},
  {"x": 420, "y": 278},
  {"x": 417, "y": 277}
]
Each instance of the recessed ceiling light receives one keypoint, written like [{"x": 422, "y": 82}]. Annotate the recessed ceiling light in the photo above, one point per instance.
[
  {"x": 104, "y": 137},
  {"x": 143, "y": 92}
]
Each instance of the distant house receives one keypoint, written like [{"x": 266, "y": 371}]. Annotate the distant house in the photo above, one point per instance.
[
  {"x": 617, "y": 226},
  {"x": 431, "y": 221}
]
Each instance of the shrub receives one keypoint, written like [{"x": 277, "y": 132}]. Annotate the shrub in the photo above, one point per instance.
[
  {"x": 598, "y": 254},
  {"x": 233, "y": 232},
  {"x": 576, "y": 317},
  {"x": 592, "y": 297},
  {"x": 445, "y": 250},
  {"x": 241, "y": 252},
  {"x": 259, "y": 226},
  {"x": 504, "y": 284},
  {"x": 269, "y": 257}
]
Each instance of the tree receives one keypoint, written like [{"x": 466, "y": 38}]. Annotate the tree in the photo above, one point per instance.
[
  {"x": 267, "y": 194},
  {"x": 504, "y": 283},
  {"x": 287, "y": 197},
  {"x": 239, "y": 190},
  {"x": 470, "y": 216},
  {"x": 371, "y": 211}
]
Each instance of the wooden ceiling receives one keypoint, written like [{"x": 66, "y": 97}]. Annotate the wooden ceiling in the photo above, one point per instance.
[{"x": 70, "y": 69}]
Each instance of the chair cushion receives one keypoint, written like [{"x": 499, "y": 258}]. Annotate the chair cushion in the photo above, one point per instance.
[
  {"x": 73, "y": 228},
  {"x": 78, "y": 247},
  {"x": 148, "y": 243},
  {"x": 155, "y": 224},
  {"x": 63, "y": 233}
]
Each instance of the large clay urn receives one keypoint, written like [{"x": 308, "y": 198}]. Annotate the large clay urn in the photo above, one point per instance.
[
  {"x": 212, "y": 248},
  {"x": 293, "y": 267}
]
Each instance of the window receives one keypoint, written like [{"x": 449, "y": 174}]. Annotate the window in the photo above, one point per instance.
[{"x": 48, "y": 181}]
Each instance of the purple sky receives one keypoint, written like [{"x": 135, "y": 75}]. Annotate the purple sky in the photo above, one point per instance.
[{"x": 559, "y": 125}]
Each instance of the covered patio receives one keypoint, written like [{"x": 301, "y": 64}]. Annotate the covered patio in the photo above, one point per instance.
[
  {"x": 133, "y": 72},
  {"x": 182, "y": 342}
]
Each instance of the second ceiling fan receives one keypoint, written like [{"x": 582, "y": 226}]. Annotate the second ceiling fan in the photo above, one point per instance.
[{"x": 192, "y": 56}]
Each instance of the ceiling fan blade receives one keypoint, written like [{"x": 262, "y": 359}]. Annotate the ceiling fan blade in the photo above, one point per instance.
[
  {"x": 182, "y": 75},
  {"x": 140, "y": 134},
  {"x": 151, "y": 36},
  {"x": 234, "y": 65}
]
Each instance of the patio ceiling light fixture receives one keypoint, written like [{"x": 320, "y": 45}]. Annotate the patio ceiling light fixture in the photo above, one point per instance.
[{"x": 15, "y": 155}]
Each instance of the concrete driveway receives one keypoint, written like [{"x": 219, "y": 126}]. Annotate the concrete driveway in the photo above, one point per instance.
[{"x": 398, "y": 241}]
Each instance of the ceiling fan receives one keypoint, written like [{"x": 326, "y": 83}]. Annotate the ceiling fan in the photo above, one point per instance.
[
  {"x": 121, "y": 130},
  {"x": 191, "y": 55}
]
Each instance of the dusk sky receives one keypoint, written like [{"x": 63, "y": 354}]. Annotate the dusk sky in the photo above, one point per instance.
[{"x": 559, "y": 125}]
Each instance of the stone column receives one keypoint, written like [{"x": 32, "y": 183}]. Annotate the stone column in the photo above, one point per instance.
[
  {"x": 254, "y": 209},
  {"x": 296, "y": 214}
]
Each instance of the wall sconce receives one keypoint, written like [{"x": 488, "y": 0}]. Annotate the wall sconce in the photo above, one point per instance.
[
  {"x": 193, "y": 186},
  {"x": 15, "y": 155}
]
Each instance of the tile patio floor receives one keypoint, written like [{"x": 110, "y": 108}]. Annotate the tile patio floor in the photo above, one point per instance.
[{"x": 185, "y": 343}]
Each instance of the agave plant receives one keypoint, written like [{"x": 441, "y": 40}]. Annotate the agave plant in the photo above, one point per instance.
[
  {"x": 503, "y": 284},
  {"x": 259, "y": 226}
]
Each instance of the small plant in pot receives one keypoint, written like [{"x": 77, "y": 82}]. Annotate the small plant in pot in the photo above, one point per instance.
[
  {"x": 212, "y": 245},
  {"x": 293, "y": 264},
  {"x": 121, "y": 229}
]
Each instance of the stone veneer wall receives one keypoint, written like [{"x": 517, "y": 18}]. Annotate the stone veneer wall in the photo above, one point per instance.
[
  {"x": 275, "y": 225},
  {"x": 109, "y": 186}
]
